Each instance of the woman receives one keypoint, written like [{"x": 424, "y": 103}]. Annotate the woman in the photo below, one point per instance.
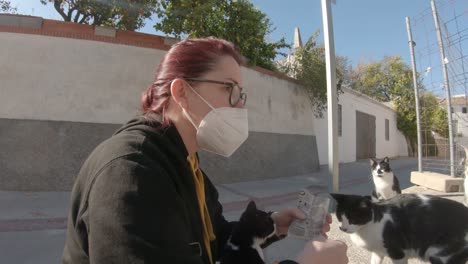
[{"x": 140, "y": 196}]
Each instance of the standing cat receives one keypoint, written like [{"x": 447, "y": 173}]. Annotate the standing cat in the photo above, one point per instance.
[
  {"x": 254, "y": 228},
  {"x": 409, "y": 225},
  {"x": 385, "y": 182}
]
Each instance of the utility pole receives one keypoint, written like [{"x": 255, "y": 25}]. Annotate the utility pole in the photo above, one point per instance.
[
  {"x": 332, "y": 107},
  {"x": 447, "y": 88},
  {"x": 416, "y": 91}
]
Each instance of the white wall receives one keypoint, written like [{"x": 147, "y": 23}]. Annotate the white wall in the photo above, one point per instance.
[
  {"x": 62, "y": 79},
  {"x": 351, "y": 102},
  {"x": 276, "y": 105},
  {"x": 462, "y": 119}
]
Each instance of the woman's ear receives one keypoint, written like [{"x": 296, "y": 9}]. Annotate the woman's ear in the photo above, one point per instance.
[{"x": 179, "y": 92}]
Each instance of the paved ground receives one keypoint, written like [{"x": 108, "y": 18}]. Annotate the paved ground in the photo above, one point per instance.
[{"x": 32, "y": 225}]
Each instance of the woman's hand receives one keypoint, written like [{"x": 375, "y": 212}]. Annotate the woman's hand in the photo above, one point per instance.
[
  {"x": 323, "y": 251},
  {"x": 326, "y": 225},
  {"x": 284, "y": 218}
]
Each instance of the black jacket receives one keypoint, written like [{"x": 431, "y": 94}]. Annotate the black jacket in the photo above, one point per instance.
[{"x": 134, "y": 201}]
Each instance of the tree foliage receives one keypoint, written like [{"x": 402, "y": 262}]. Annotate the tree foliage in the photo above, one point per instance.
[
  {"x": 383, "y": 80},
  {"x": 391, "y": 80},
  {"x": 235, "y": 20},
  {"x": 6, "y": 7},
  {"x": 120, "y": 14},
  {"x": 307, "y": 65}
]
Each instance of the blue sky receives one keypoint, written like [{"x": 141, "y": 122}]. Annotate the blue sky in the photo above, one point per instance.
[{"x": 365, "y": 30}]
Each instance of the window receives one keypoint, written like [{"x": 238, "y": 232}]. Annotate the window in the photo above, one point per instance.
[
  {"x": 340, "y": 121},
  {"x": 464, "y": 110},
  {"x": 387, "y": 129}
]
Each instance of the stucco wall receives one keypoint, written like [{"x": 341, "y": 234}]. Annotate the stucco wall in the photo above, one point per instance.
[
  {"x": 352, "y": 102},
  {"x": 50, "y": 85}
]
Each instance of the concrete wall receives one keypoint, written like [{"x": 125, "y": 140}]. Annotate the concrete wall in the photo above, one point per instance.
[
  {"x": 351, "y": 102},
  {"x": 277, "y": 105},
  {"x": 61, "y": 79},
  {"x": 462, "y": 120},
  {"x": 61, "y": 96}
]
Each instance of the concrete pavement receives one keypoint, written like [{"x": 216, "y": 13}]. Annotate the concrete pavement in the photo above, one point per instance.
[{"x": 32, "y": 225}]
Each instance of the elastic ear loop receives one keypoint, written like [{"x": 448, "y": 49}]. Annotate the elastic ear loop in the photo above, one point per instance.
[{"x": 203, "y": 99}]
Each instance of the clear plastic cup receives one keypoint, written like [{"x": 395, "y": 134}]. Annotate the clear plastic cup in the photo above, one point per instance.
[
  {"x": 314, "y": 201},
  {"x": 315, "y": 204}
]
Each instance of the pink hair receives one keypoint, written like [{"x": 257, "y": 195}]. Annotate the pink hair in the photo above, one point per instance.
[{"x": 189, "y": 58}]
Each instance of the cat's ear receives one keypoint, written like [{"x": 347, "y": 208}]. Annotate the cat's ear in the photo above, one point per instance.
[
  {"x": 372, "y": 162},
  {"x": 386, "y": 160},
  {"x": 339, "y": 198},
  {"x": 251, "y": 207}
]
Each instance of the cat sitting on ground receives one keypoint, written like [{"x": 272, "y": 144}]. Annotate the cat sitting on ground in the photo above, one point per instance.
[
  {"x": 249, "y": 236},
  {"x": 409, "y": 225},
  {"x": 386, "y": 183}
]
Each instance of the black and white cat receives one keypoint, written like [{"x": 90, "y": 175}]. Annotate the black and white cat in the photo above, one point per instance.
[
  {"x": 409, "y": 225},
  {"x": 248, "y": 237},
  {"x": 386, "y": 183}
]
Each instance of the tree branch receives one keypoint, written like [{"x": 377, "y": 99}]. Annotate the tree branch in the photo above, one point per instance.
[
  {"x": 83, "y": 19},
  {"x": 97, "y": 21},
  {"x": 77, "y": 16},
  {"x": 57, "y": 6},
  {"x": 70, "y": 12},
  {"x": 386, "y": 95}
]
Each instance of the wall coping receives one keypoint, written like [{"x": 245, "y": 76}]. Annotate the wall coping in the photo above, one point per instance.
[
  {"x": 55, "y": 28},
  {"x": 367, "y": 98},
  {"x": 63, "y": 29}
]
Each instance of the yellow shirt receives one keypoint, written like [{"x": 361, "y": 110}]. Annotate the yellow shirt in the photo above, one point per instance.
[{"x": 208, "y": 234}]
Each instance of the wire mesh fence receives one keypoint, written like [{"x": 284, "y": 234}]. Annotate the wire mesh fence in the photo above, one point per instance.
[{"x": 434, "y": 110}]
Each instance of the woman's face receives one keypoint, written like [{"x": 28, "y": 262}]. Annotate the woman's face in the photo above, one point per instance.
[{"x": 210, "y": 86}]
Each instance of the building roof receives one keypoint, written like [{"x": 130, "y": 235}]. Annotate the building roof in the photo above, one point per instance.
[
  {"x": 457, "y": 100},
  {"x": 388, "y": 105}
]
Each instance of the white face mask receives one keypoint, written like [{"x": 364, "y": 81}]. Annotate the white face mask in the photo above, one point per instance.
[{"x": 223, "y": 130}]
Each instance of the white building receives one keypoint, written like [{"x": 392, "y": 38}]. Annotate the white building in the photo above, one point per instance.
[
  {"x": 367, "y": 128},
  {"x": 459, "y": 114}
]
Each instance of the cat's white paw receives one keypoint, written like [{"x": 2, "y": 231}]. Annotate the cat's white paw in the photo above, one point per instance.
[{"x": 376, "y": 258}]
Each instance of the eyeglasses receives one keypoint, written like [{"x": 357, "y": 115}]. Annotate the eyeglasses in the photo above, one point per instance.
[{"x": 235, "y": 91}]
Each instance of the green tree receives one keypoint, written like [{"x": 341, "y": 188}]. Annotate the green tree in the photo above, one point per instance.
[
  {"x": 433, "y": 118},
  {"x": 308, "y": 66},
  {"x": 6, "y": 7},
  {"x": 391, "y": 80},
  {"x": 235, "y": 20},
  {"x": 383, "y": 80},
  {"x": 439, "y": 121},
  {"x": 120, "y": 14}
]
